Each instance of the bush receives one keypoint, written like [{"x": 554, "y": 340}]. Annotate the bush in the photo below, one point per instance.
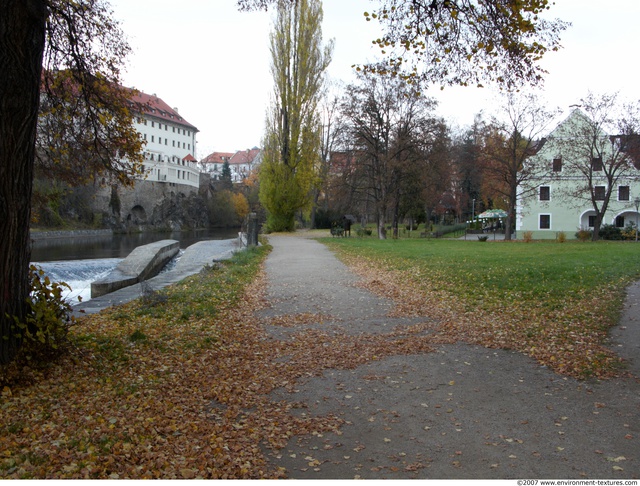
[
  {"x": 610, "y": 232},
  {"x": 324, "y": 218},
  {"x": 584, "y": 234},
  {"x": 45, "y": 328},
  {"x": 527, "y": 236},
  {"x": 629, "y": 233},
  {"x": 561, "y": 237}
]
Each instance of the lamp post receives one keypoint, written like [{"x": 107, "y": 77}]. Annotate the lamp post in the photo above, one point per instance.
[
  {"x": 473, "y": 210},
  {"x": 636, "y": 203}
]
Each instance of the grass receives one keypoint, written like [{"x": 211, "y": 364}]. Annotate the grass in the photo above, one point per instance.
[{"x": 552, "y": 301}]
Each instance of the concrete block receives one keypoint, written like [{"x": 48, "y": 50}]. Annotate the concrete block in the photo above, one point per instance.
[{"x": 142, "y": 263}]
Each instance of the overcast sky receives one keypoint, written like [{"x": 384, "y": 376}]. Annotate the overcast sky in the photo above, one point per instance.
[{"x": 212, "y": 62}]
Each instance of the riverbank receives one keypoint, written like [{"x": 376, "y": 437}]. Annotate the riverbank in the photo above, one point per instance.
[{"x": 46, "y": 234}]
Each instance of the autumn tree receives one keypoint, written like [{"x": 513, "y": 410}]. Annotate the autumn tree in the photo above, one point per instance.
[
  {"x": 508, "y": 142},
  {"x": 292, "y": 135},
  {"x": 599, "y": 147},
  {"x": 74, "y": 50},
  {"x": 386, "y": 122},
  {"x": 462, "y": 42},
  {"x": 330, "y": 132},
  {"x": 467, "y": 173}
]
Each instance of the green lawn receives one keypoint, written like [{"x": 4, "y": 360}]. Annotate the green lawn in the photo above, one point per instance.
[{"x": 543, "y": 298}]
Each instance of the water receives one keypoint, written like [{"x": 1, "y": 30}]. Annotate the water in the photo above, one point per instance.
[
  {"x": 78, "y": 274},
  {"x": 78, "y": 261},
  {"x": 115, "y": 246}
]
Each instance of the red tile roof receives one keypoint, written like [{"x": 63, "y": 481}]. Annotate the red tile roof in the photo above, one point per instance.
[
  {"x": 190, "y": 158},
  {"x": 155, "y": 107},
  {"x": 244, "y": 156},
  {"x": 217, "y": 158}
]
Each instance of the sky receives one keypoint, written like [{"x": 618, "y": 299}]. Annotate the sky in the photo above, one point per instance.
[{"x": 211, "y": 61}]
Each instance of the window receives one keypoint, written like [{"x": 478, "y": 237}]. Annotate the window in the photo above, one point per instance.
[
  {"x": 623, "y": 193},
  {"x": 152, "y": 137},
  {"x": 545, "y": 193},
  {"x": 599, "y": 193},
  {"x": 557, "y": 165},
  {"x": 545, "y": 221},
  {"x": 153, "y": 124},
  {"x": 174, "y": 143},
  {"x": 592, "y": 221},
  {"x": 596, "y": 164},
  {"x": 159, "y": 139},
  {"x": 619, "y": 221}
]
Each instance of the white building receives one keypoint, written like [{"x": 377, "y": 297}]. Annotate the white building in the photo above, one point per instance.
[
  {"x": 575, "y": 173},
  {"x": 170, "y": 142},
  {"x": 241, "y": 163}
]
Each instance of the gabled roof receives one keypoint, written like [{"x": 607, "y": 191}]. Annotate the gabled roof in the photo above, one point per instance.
[
  {"x": 189, "y": 158},
  {"x": 244, "y": 156},
  {"x": 217, "y": 157},
  {"x": 157, "y": 108}
]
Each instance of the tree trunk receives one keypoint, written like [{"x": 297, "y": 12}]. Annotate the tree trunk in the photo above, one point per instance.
[
  {"x": 22, "y": 40},
  {"x": 382, "y": 232}
]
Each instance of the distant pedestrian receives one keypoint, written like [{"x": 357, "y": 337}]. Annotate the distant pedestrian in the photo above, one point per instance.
[{"x": 346, "y": 224}]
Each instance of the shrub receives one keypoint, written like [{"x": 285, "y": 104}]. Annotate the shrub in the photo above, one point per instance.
[
  {"x": 561, "y": 237},
  {"x": 610, "y": 232},
  {"x": 46, "y": 325},
  {"x": 584, "y": 234},
  {"x": 629, "y": 233},
  {"x": 527, "y": 236}
]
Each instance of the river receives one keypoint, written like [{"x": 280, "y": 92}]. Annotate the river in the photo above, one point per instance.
[{"x": 80, "y": 260}]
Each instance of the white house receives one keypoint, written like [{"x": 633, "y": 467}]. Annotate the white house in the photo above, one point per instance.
[
  {"x": 170, "y": 142},
  {"x": 241, "y": 163},
  {"x": 574, "y": 177},
  {"x": 212, "y": 163}
]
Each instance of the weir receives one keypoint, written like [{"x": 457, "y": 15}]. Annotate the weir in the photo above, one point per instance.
[{"x": 142, "y": 263}]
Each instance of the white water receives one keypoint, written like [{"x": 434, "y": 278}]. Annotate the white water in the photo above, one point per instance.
[{"x": 79, "y": 274}]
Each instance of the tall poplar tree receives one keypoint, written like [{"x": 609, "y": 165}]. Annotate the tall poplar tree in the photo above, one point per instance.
[{"x": 292, "y": 135}]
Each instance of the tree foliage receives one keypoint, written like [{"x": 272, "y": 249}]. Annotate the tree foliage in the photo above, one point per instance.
[
  {"x": 86, "y": 117},
  {"x": 391, "y": 135},
  {"x": 461, "y": 42},
  {"x": 506, "y": 146},
  {"x": 292, "y": 140}
]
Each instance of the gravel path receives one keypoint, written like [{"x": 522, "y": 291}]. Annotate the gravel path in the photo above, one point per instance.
[{"x": 460, "y": 412}]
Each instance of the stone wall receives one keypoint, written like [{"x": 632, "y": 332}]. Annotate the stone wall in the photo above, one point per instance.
[{"x": 153, "y": 206}]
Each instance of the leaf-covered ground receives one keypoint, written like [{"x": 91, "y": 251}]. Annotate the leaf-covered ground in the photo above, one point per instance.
[
  {"x": 179, "y": 386},
  {"x": 175, "y": 387},
  {"x": 559, "y": 316}
]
